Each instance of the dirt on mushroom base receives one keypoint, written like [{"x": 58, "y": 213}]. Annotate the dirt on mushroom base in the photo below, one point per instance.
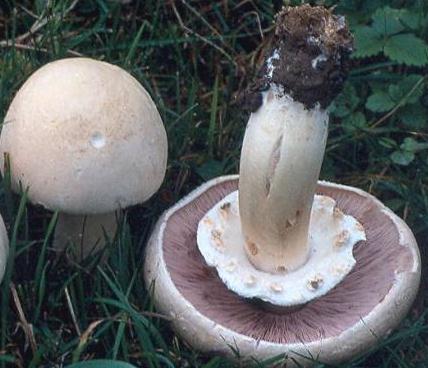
[{"x": 311, "y": 71}]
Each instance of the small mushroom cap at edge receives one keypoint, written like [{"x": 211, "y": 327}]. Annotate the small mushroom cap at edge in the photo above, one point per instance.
[{"x": 4, "y": 248}]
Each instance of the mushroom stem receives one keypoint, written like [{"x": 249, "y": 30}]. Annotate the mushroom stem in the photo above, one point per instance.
[
  {"x": 86, "y": 234},
  {"x": 286, "y": 135},
  {"x": 281, "y": 159}
]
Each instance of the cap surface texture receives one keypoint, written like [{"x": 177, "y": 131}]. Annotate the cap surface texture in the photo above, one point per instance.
[{"x": 85, "y": 137}]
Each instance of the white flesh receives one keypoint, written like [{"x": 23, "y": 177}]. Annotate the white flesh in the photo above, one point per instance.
[{"x": 281, "y": 159}]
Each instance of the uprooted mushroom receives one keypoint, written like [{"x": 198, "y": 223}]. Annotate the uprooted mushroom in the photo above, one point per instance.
[{"x": 277, "y": 262}]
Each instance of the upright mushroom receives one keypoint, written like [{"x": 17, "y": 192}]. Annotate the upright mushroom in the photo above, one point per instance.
[
  {"x": 286, "y": 264},
  {"x": 86, "y": 139}
]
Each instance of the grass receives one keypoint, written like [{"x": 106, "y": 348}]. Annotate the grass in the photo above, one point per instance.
[{"x": 193, "y": 57}]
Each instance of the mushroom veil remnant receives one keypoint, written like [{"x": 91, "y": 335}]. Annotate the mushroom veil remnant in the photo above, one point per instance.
[
  {"x": 274, "y": 261},
  {"x": 86, "y": 139}
]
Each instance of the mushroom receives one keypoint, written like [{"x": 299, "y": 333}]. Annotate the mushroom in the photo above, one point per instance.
[
  {"x": 86, "y": 139},
  {"x": 4, "y": 248},
  {"x": 278, "y": 262}
]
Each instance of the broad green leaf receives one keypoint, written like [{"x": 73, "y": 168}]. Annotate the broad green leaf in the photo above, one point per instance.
[
  {"x": 101, "y": 363},
  {"x": 380, "y": 102},
  {"x": 367, "y": 42},
  {"x": 395, "y": 93},
  {"x": 386, "y": 21},
  {"x": 409, "y": 88},
  {"x": 368, "y": 6},
  {"x": 411, "y": 145},
  {"x": 354, "y": 122},
  {"x": 402, "y": 157},
  {"x": 414, "y": 116},
  {"x": 408, "y": 83},
  {"x": 413, "y": 20},
  {"x": 358, "y": 120},
  {"x": 346, "y": 102},
  {"x": 407, "y": 49}
]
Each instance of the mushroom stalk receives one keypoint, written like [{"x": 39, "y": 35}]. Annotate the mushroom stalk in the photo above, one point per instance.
[
  {"x": 281, "y": 159},
  {"x": 286, "y": 135},
  {"x": 84, "y": 234}
]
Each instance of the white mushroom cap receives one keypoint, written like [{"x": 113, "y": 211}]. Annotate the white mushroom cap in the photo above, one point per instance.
[
  {"x": 85, "y": 137},
  {"x": 4, "y": 248}
]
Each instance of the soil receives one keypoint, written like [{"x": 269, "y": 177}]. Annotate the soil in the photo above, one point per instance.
[{"x": 308, "y": 58}]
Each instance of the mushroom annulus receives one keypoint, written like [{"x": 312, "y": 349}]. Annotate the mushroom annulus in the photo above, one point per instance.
[
  {"x": 275, "y": 261},
  {"x": 85, "y": 139}
]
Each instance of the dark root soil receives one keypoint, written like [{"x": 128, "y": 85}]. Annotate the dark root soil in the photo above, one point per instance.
[{"x": 313, "y": 47}]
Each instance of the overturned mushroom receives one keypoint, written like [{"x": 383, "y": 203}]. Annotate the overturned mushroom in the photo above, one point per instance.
[
  {"x": 86, "y": 139},
  {"x": 285, "y": 264}
]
